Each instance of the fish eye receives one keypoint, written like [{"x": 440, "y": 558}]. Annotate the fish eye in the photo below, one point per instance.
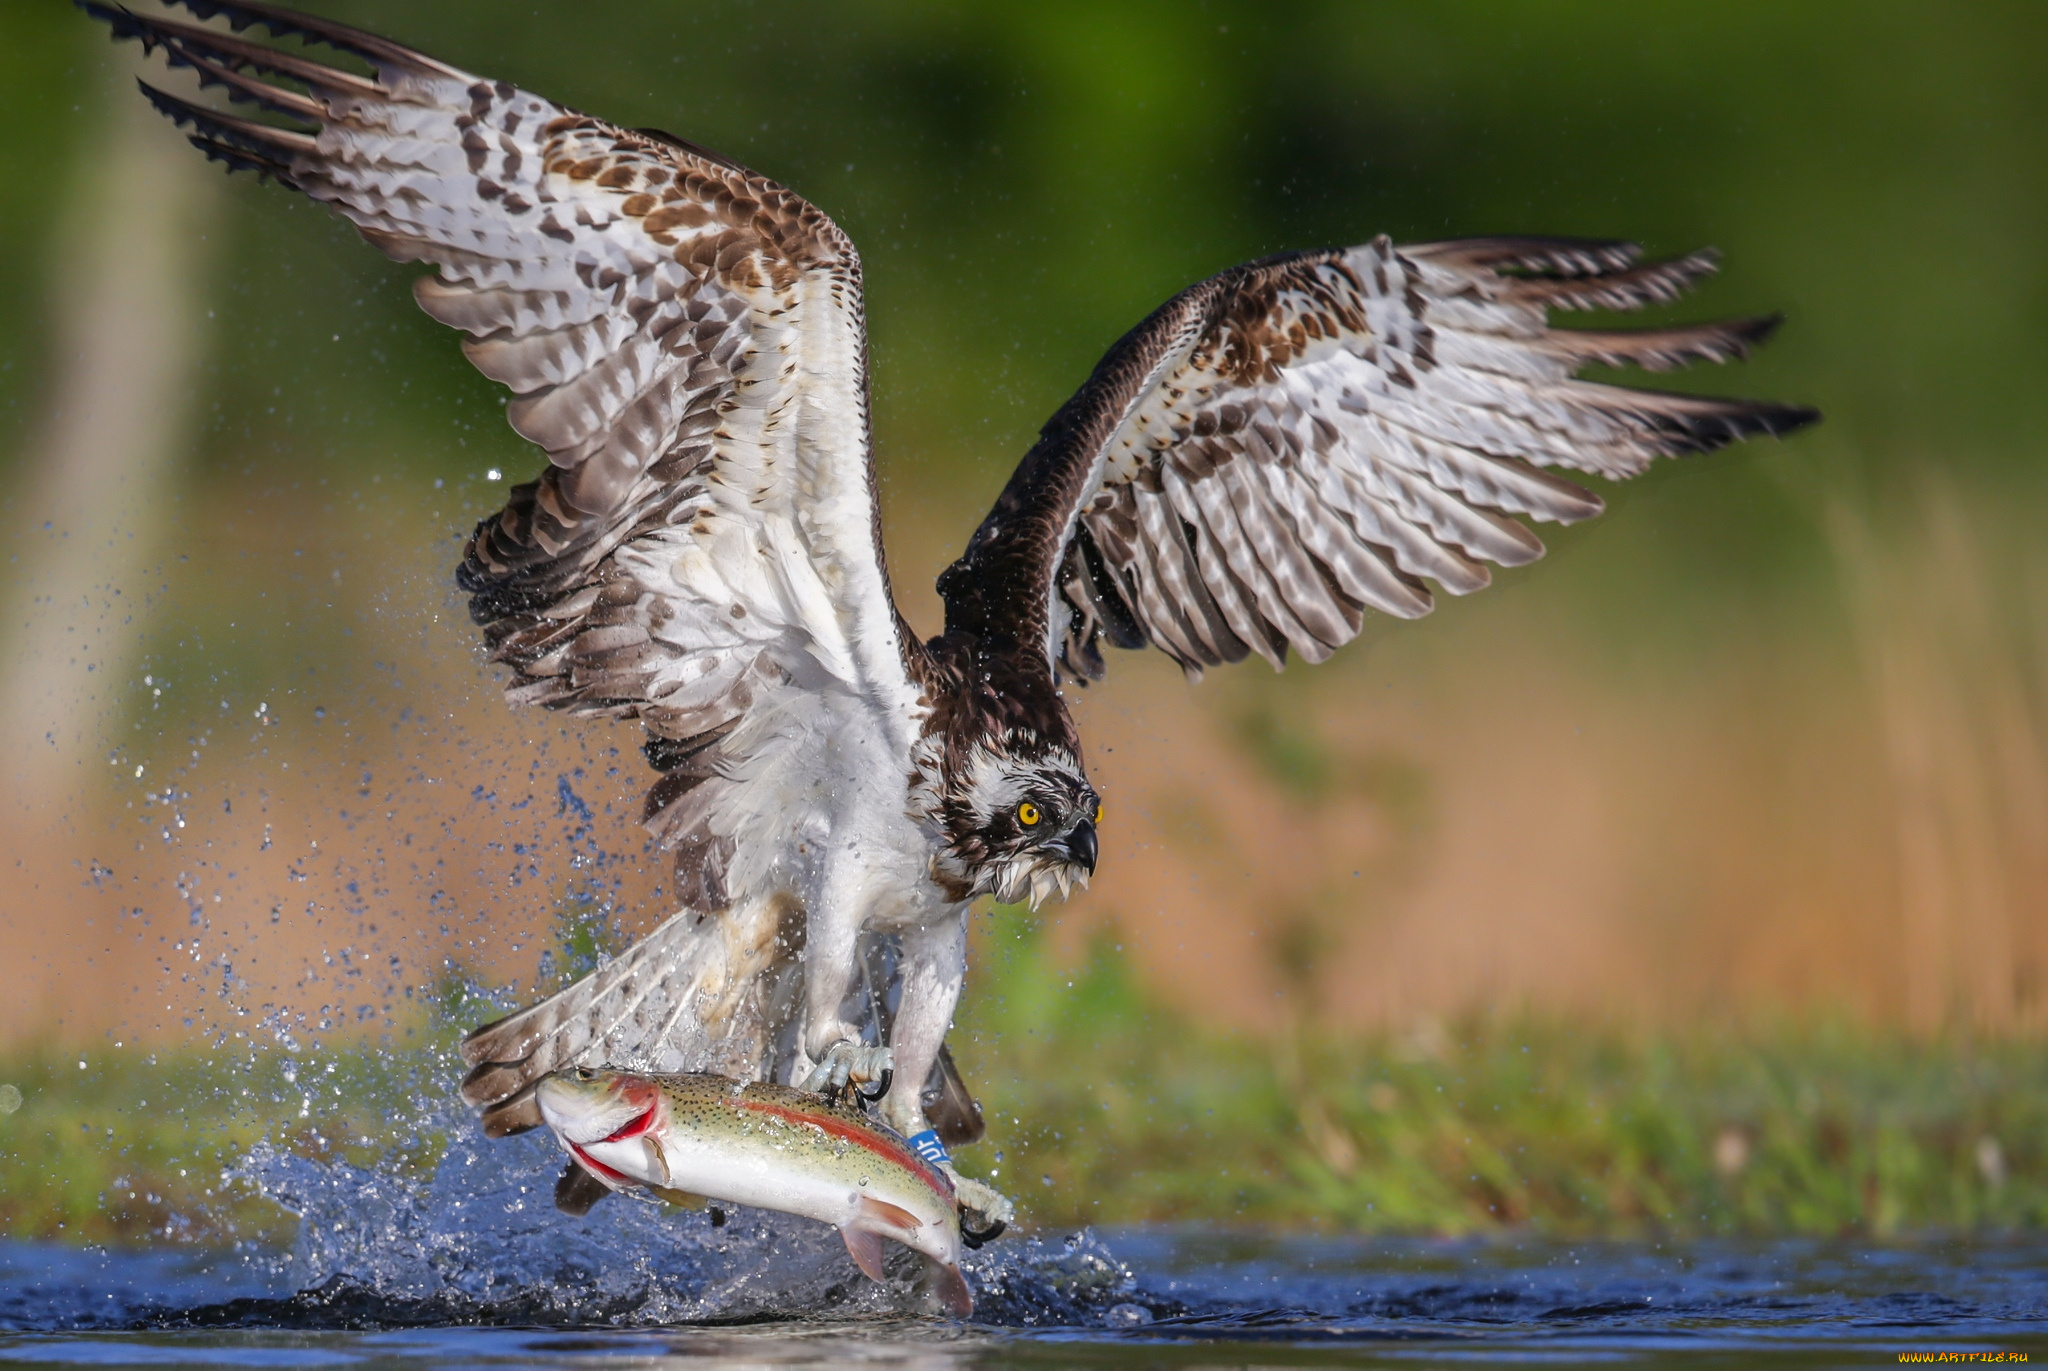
[
  {"x": 584, "y": 1073},
  {"x": 1028, "y": 814}
]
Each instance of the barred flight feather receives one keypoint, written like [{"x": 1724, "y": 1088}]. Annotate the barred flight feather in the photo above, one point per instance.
[{"x": 1333, "y": 427}]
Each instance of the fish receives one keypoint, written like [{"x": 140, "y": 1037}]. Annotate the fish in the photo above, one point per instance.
[{"x": 710, "y": 1138}]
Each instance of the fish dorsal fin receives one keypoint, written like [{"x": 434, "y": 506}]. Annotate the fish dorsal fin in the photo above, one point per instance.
[
  {"x": 866, "y": 1250},
  {"x": 951, "y": 1288},
  {"x": 882, "y": 1214}
]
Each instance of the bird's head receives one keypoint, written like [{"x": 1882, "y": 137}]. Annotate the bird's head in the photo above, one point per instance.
[{"x": 1018, "y": 821}]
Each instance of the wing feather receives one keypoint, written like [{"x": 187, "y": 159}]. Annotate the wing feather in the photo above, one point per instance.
[
  {"x": 684, "y": 339},
  {"x": 1297, "y": 587},
  {"x": 1226, "y": 563},
  {"x": 1171, "y": 569},
  {"x": 1299, "y": 439}
]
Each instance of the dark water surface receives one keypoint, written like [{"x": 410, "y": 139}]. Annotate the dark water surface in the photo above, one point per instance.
[{"x": 1129, "y": 1298}]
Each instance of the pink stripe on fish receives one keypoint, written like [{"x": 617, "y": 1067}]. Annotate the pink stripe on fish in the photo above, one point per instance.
[{"x": 860, "y": 1137}]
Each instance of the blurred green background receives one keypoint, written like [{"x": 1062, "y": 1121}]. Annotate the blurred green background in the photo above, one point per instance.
[{"x": 1744, "y": 787}]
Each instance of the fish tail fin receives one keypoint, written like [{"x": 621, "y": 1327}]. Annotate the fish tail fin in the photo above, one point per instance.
[
  {"x": 866, "y": 1250},
  {"x": 672, "y": 997},
  {"x": 951, "y": 1288}
]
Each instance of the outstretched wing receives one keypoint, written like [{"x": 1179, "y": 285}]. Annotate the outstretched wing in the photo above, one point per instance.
[
  {"x": 1299, "y": 440},
  {"x": 684, "y": 339}
]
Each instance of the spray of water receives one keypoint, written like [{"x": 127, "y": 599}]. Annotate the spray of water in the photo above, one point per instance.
[
  {"x": 406, "y": 1215},
  {"x": 479, "y": 1239}
]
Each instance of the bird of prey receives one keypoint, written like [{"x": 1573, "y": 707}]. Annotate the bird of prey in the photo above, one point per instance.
[{"x": 1271, "y": 456}]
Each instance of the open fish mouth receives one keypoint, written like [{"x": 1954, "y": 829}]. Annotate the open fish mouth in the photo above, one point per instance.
[
  {"x": 633, "y": 1128},
  {"x": 785, "y": 1149}
]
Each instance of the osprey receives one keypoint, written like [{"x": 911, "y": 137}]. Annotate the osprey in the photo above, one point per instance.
[{"x": 1269, "y": 457}]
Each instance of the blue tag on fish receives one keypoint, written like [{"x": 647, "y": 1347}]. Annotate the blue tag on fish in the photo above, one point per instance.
[{"x": 928, "y": 1146}]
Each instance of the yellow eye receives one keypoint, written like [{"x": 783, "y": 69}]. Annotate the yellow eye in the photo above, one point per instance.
[
  {"x": 1098, "y": 811},
  {"x": 1028, "y": 815}
]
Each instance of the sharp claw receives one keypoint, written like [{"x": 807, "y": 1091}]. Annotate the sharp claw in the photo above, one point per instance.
[
  {"x": 976, "y": 1237},
  {"x": 985, "y": 1203},
  {"x": 845, "y": 1066}
]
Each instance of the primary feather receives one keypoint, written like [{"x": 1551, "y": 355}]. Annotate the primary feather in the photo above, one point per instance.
[{"x": 1299, "y": 440}]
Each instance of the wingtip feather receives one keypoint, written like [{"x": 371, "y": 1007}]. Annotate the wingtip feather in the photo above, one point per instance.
[
  {"x": 1556, "y": 256},
  {"x": 1661, "y": 349},
  {"x": 1677, "y": 424},
  {"x": 288, "y": 23},
  {"x": 1648, "y": 283},
  {"x": 273, "y": 144}
]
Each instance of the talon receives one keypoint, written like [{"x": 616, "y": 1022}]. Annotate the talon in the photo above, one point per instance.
[
  {"x": 881, "y": 1088},
  {"x": 974, "y": 1237},
  {"x": 847, "y": 1063},
  {"x": 986, "y": 1204}
]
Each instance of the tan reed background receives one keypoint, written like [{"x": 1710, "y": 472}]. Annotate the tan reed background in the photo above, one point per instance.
[{"x": 1769, "y": 737}]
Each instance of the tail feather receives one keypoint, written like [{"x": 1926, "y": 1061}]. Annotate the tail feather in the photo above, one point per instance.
[
  {"x": 519, "y": 1114},
  {"x": 680, "y": 999},
  {"x": 513, "y": 1040}
]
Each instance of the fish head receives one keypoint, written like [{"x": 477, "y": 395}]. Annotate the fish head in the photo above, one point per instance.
[{"x": 609, "y": 1121}]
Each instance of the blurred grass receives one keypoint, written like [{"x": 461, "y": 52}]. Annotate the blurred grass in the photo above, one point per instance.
[
  {"x": 1104, "y": 1108},
  {"x": 129, "y": 1146},
  {"x": 1110, "y": 1111}
]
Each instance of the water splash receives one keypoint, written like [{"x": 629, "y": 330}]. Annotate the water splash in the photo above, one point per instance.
[{"x": 477, "y": 1239}]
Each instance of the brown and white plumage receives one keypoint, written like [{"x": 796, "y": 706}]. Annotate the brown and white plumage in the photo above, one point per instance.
[
  {"x": 1271, "y": 455},
  {"x": 685, "y": 341},
  {"x": 1299, "y": 440},
  {"x": 684, "y": 337}
]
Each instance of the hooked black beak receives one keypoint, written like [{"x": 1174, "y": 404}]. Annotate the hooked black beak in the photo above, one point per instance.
[{"x": 1079, "y": 845}]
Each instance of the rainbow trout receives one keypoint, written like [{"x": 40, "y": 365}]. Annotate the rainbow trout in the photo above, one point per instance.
[{"x": 763, "y": 1145}]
